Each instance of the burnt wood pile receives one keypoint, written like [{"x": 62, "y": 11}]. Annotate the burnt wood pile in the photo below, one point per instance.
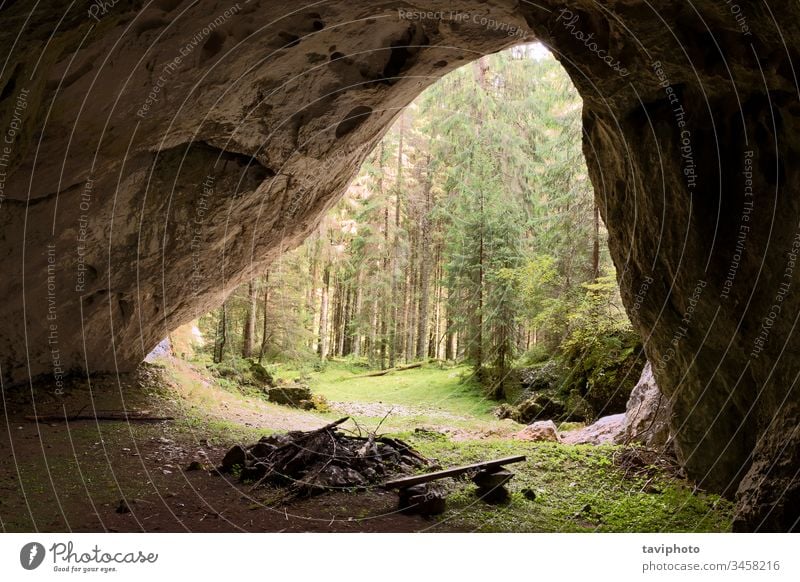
[{"x": 325, "y": 459}]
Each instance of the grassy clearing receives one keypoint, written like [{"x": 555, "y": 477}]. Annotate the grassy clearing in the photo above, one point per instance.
[
  {"x": 451, "y": 390},
  {"x": 577, "y": 489},
  {"x": 432, "y": 397}
]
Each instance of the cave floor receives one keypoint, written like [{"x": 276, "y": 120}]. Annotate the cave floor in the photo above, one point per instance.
[{"x": 90, "y": 476}]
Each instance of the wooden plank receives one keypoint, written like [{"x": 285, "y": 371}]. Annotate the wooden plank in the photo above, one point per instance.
[{"x": 455, "y": 471}]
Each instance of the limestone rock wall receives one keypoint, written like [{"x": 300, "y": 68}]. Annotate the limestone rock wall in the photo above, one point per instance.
[{"x": 156, "y": 155}]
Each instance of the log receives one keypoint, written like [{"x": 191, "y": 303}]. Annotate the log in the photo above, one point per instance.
[
  {"x": 384, "y": 372},
  {"x": 453, "y": 472},
  {"x": 106, "y": 416}
]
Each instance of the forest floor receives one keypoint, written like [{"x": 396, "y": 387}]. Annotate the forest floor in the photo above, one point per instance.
[{"x": 118, "y": 476}]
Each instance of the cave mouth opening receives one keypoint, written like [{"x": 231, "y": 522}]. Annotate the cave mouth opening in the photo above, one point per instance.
[
  {"x": 469, "y": 248},
  {"x": 733, "y": 414}
]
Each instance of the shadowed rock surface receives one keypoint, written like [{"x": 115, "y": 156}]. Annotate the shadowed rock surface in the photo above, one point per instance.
[
  {"x": 646, "y": 420},
  {"x": 647, "y": 416},
  {"x": 157, "y": 157}
]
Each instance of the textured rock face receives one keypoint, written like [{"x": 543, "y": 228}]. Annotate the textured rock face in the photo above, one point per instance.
[
  {"x": 646, "y": 419},
  {"x": 604, "y": 431},
  {"x": 153, "y": 158},
  {"x": 647, "y": 416}
]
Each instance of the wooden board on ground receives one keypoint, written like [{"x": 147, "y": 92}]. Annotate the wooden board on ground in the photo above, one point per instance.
[{"x": 453, "y": 472}]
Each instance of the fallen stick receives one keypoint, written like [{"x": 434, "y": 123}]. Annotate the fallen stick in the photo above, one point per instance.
[
  {"x": 334, "y": 424},
  {"x": 107, "y": 416}
]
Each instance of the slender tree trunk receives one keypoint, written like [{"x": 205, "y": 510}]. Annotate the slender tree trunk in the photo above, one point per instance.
[
  {"x": 396, "y": 248},
  {"x": 344, "y": 321},
  {"x": 408, "y": 302},
  {"x": 450, "y": 352},
  {"x": 596, "y": 244},
  {"x": 478, "y": 316},
  {"x": 311, "y": 299},
  {"x": 372, "y": 339},
  {"x": 249, "y": 335},
  {"x": 340, "y": 316},
  {"x": 265, "y": 329},
  {"x": 323, "y": 314},
  {"x": 386, "y": 307},
  {"x": 437, "y": 317},
  {"x": 222, "y": 334},
  {"x": 424, "y": 270},
  {"x": 357, "y": 317}
]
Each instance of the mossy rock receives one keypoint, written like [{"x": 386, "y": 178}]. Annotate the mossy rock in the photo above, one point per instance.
[
  {"x": 261, "y": 375},
  {"x": 295, "y": 395}
]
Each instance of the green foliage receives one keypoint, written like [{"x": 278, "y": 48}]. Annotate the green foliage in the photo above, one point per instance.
[{"x": 603, "y": 354}]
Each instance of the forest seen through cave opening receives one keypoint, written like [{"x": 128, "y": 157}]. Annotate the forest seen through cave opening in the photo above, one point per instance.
[{"x": 472, "y": 237}]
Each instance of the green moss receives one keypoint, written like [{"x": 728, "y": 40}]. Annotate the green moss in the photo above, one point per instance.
[{"x": 577, "y": 488}]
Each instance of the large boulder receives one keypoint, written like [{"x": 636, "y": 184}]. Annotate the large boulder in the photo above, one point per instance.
[
  {"x": 296, "y": 395},
  {"x": 646, "y": 419},
  {"x": 647, "y": 416},
  {"x": 604, "y": 431},
  {"x": 535, "y": 406}
]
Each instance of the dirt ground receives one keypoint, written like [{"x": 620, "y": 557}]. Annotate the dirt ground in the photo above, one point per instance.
[{"x": 87, "y": 476}]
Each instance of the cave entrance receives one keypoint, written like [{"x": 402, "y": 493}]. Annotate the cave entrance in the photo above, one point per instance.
[
  {"x": 102, "y": 240},
  {"x": 464, "y": 273}
]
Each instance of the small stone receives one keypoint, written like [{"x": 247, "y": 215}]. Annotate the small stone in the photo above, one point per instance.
[
  {"x": 422, "y": 500},
  {"x": 235, "y": 456},
  {"x": 195, "y": 466},
  {"x": 543, "y": 430}
]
